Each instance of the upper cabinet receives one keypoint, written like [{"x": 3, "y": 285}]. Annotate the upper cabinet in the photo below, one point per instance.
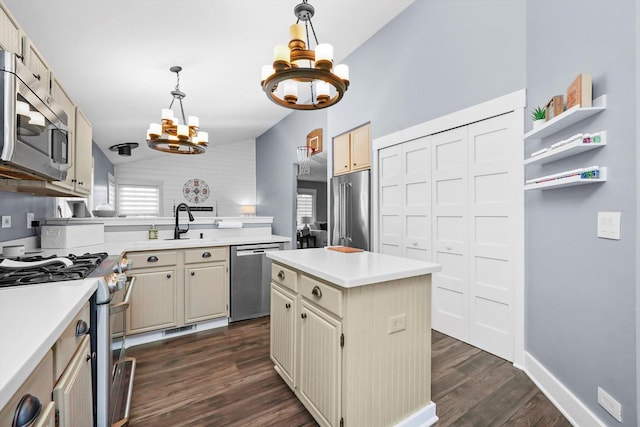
[
  {"x": 10, "y": 34},
  {"x": 352, "y": 151},
  {"x": 79, "y": 175}
]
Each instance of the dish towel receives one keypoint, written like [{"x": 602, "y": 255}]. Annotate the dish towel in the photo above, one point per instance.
[{"x": 229, "y": 224}]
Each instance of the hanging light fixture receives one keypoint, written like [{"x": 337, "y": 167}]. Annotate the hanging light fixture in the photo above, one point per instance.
[
  {"x": 301, "y": 78},
  {"x": 172, "y": 137}
]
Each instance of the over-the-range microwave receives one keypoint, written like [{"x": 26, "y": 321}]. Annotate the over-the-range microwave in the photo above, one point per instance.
[{"x": 35, "y": 136}]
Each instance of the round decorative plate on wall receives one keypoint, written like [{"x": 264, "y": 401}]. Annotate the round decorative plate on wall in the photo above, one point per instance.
[{"x": 195, "y": 190}]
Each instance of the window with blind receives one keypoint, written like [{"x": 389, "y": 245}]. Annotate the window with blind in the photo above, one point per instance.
[
  {"x": 139, "y": 199},
  {"x": 306, "y": 202}
]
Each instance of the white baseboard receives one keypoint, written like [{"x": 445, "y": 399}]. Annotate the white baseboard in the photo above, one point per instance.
[
  {"x": 562, "y": 398},
  {"x": 424, "y": 417}
]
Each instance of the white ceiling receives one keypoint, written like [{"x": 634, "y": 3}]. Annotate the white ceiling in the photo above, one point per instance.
[{"x": 113, "y": 57}]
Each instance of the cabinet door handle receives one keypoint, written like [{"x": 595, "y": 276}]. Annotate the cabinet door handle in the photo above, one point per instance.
[
  {"x": 281, "y": 275},
  {"x": 168, "y": 276},
  {"x": 82, "y": 328},
  {"x": 193, "y": 273},
  {"x": 316, "y": 292},
  {"x": 287, "y": 306},
  {"x": 27, "y": 411},
  {"x": 37, "y": 76},
  {"x": 303, "y": 315},
  {"x": 81, "y": 182},
  {"x": 206, "y": 255},
  {"x": 152, "y": 258},
  {"x": 88, "y": 357}
]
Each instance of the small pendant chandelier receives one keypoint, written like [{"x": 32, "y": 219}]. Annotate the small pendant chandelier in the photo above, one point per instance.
[
  {"x": 172, "y": 137},
  {"x": 301, "y": 78}
]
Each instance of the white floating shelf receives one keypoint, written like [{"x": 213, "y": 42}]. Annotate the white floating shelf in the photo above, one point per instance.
[
  {"x": 568, "y": 150},
  {"x": 568, "y": 182},
  {"x": 566, "y": 119}
]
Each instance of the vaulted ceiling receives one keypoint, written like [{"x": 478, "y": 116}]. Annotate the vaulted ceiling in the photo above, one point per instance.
[{"x": 113, "y": 57}]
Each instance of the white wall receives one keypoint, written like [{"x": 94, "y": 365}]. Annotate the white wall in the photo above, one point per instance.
[{"x": 228, "y": 169}]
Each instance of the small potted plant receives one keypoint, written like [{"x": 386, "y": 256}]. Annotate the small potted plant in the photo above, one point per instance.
[{"x": 538, "y": 116}]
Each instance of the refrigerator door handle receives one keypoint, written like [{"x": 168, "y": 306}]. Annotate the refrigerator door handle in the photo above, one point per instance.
[
  {"x": 343, "y": 213},
  {"x": 348, "y": 214}
]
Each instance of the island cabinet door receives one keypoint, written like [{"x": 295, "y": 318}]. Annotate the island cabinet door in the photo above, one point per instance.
[
  {"x": 283, "y": 318},
  {"x": 319, "y": 379}
]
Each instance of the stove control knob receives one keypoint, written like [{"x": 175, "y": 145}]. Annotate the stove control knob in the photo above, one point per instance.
[
  {"x": 112, "y": 282},
  {"x": 121, "y": 281}
]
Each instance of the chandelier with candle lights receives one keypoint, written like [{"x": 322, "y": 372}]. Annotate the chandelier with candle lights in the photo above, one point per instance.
[
  {"x": 301, "y": 78},
  {"x": 172, "y": 137}
]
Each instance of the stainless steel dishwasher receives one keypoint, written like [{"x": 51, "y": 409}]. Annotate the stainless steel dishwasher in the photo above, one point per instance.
[{"x": 250, "y": 280}]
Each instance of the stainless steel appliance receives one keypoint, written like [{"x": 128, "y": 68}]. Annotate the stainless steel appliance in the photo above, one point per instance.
[
  {"x": 33, "y": 127},
  {"x": 113, "y": 372},
  {"x": 250, "y": 280},
  {"x": 351, "y": 210}
]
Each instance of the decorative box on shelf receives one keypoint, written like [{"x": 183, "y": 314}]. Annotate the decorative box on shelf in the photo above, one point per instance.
[{"x": 588, "y": 175}]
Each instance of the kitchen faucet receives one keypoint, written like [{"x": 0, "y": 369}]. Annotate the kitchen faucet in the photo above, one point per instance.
[{"x": 177, "y": 231}]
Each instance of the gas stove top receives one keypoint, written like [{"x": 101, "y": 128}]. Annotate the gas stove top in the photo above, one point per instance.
[{"x": 49, "y": 269}]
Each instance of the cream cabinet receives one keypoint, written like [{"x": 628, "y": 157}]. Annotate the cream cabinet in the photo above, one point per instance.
[
  {"x": 62, "y": 381},
  {"x": 72, "y": 393},
  {"x": 346, "y": 351},
  {"x": 10, "y": 33},
  {"x": 39, "y": 68},
  {"x": 175, "y": 288},
  {"x": 206, "y": 284},
  {"x": 67, "y": 105},
  {"x": 83, "y": 154},
  {"x": 352, "y": 151}
]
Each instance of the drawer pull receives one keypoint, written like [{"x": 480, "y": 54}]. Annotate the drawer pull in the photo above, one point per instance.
[
  {"x": 37, "y": 76},
  {"x": 206, "y": 255},
  {"x": 287, "y": 306},
  {"x": 193, "y": 273},
  {"x": 168, "y": 276},
  {"x": 152, "y": 258},
  {"x": 27, "y": 411},
  {"x": 303, "y": 315},
  {"x": 82, "y": 328},
  {"x": 281, "y": 275},
  {"x": 316, "y": 292}
]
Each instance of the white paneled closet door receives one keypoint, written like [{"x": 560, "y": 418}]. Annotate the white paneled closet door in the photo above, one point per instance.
[
  {"x": 416, "y": 199},
  {"x": 390, "y": 200},
  {"x": 493, "y": 156},
  {"x": 450, "y": 209}
]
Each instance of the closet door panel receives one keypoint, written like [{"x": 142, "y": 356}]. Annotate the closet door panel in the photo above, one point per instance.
[
  {"x": 450, "y": 232},
  {"x": 491, "y": 246},
  {"x": 390, "y": 200},
  {"x": 416, "y": 199}
]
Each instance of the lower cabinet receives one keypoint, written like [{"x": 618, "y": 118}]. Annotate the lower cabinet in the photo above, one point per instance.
[
  {"x": 153, "y": 301},
  {"x": 62, "y": 381},
  {"x": 178, "y": 287},
  {"x": 354, "y": 356}
]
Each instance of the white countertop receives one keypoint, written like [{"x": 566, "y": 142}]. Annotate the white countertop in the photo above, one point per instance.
[
  {"x": 350, "y": 270},
  {"x": 144, "y": 245},
  {"x": 32, "y": 318}
]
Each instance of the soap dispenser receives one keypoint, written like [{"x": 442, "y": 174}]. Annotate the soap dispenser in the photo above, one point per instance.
[{"x": 153, "y": 232}]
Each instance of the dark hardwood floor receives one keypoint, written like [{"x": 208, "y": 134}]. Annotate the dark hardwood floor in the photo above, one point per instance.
[{"x": 224, "y": 377}]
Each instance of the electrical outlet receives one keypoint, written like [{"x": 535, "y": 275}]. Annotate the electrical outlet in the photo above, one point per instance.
[
  {"x": 6, "y": 221},
  {"x": 397, "y": 323},
  {"x": 611, "y": 405},
  {"x": 30, "y": 218}
]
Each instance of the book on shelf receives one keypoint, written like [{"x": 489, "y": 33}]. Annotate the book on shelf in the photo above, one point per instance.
[{"x": 579, "y": 92}]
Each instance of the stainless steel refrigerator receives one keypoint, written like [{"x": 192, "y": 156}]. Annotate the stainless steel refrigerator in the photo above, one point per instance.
[{"x": 351, "y": 210}]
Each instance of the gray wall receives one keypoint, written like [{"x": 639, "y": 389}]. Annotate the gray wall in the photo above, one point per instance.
[
  {"x": 581, "y": 290},
  {"x": 101, "y": 168},
  {"x": 17, "y": 205},
  {"x": 321, "y": 197},
  {"x": 275, "y": 171}
]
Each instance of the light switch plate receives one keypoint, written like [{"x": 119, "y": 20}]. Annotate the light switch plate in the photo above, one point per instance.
[
  {"x": 30, "y": 218},
  {"x": 609, "y": 225},
  {"x": 6, "y": 221}
]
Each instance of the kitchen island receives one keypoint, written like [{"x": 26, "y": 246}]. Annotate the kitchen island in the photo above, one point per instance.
[{"x": 351, "y": 335}]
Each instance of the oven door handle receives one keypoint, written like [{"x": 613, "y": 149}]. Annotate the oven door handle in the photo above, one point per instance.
[{"x": 122, "y": 306}]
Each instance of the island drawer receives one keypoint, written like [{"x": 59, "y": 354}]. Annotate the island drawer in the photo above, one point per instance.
[
  {"x": 321, "y": 294},
  {"x": 284, "y": 276},
  {"x": 205, "y": 254},
  {"x": 153, "y": 259},
  {"x": 68, "y": 342}
]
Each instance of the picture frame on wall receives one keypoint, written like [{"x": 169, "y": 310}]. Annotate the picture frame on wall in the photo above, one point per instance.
[{"x": 579, "y": 92}]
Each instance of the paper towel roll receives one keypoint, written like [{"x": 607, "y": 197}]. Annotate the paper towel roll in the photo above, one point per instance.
[{"x": 229, "y": 224}]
